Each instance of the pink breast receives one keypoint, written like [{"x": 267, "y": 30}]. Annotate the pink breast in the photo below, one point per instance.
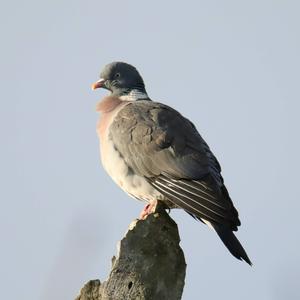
[{"x": 108, "y": 108}]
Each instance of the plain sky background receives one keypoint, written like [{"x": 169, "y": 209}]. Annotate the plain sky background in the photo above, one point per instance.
[{"x": 232, "y": 67}]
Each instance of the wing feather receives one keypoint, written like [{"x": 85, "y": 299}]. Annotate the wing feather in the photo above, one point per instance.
[
  {"x": 165, "y": 148},
  {"x": 193, "y": 201}
]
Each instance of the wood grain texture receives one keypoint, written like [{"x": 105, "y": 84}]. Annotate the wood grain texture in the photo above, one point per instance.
[{"x": 149, "y": 265}]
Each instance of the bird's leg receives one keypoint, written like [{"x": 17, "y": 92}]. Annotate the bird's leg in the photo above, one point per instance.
[{"x": 148, "y": 209}]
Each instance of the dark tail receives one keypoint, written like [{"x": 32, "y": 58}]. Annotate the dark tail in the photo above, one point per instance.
[{"x": 232, "y": 243}]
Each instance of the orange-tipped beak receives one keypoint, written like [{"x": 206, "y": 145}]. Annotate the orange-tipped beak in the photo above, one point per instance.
[{"x": 98, "y": 84}]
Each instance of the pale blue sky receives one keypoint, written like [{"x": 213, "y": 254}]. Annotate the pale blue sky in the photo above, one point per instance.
[{"x": 232, "y": 67}]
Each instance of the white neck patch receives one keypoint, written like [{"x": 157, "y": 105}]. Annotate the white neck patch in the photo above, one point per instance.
[{"x": 134, "y": 95}]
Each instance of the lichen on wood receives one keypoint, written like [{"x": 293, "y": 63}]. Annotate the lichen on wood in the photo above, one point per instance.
[{"x": 149, "y": 265}]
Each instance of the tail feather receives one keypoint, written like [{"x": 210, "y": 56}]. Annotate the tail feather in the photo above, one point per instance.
[{"x": 231, "y": 242}]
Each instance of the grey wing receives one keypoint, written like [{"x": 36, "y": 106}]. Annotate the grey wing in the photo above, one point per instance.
[{"x": 161, "y": 145}]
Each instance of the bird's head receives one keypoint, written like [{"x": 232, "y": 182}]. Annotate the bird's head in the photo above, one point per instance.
[{"x": 123, "y": 80}]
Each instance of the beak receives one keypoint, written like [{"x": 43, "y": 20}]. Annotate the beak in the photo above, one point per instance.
[{"x": 98, "y": 84}]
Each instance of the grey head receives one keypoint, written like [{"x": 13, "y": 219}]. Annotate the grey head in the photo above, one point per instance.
[{"x": 123, "y": 80}]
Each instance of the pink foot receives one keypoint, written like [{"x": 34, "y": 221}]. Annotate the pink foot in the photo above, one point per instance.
[{"x": 148, "y": 209}]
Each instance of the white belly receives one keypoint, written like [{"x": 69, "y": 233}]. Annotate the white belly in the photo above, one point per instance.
[{"x": 135, "y": 185}]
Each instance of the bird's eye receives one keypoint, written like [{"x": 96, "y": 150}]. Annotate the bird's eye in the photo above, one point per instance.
[{"x": 117, "y": 75}]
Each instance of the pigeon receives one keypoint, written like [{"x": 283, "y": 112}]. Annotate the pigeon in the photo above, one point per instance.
[{"x": 155, "y": 154}]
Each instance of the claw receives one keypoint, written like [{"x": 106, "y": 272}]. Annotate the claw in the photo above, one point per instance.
[{"x": 148, "y": 209}]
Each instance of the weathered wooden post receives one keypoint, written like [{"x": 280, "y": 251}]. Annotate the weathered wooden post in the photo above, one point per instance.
[{"x": 149, "y": 264}]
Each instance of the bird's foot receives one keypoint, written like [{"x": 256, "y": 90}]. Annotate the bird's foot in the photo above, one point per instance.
[{"x": 148, "y": 209}]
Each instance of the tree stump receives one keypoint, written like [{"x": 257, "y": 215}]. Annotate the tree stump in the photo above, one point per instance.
[{"x": 149, "y": 265}]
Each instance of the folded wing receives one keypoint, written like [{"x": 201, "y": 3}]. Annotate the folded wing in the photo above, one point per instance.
[{"x": 161, "y": 145}]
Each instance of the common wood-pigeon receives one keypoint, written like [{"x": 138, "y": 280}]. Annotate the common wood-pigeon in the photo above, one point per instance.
[{"x": 154, "y": 153}]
